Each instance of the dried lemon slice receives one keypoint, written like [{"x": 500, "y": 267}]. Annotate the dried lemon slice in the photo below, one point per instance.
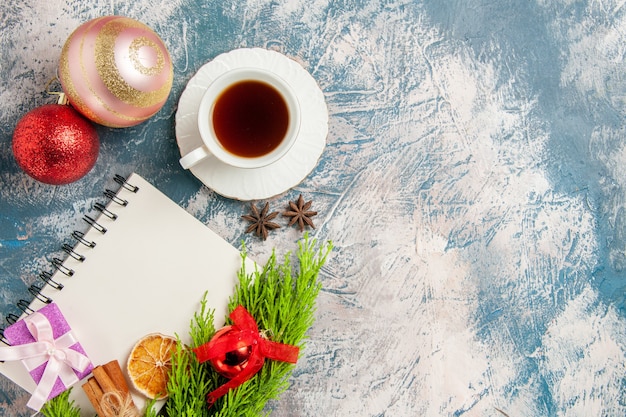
[{"x": 149, "y": 364}]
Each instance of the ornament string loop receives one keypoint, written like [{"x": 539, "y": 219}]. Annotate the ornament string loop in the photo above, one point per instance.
[{"x": 245, "y": 333}]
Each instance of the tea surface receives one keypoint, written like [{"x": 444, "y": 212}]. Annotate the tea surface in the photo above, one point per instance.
[{"x": 250, "y": 118}]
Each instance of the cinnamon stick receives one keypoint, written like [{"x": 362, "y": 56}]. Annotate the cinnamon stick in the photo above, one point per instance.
[
  {"x": 94, "y": 393},
  {"x": 105, "y": 382},
  {"x": 107, "y": 378},
  {"x": 114, "y": 372}
]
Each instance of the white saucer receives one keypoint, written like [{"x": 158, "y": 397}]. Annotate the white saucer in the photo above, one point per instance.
[{"x": 257, "y": 183}]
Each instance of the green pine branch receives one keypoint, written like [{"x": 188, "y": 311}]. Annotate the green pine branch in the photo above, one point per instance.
[
  {"x": 283, "y": 302},
  {"x": 61, "y": 406},
  {"x": 190, "y": 381}
]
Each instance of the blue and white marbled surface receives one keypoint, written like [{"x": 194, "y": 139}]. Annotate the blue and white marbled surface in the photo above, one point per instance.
[{"x": 473, "y": 184}]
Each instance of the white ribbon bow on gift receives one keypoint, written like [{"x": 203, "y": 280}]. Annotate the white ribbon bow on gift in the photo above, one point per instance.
[{"x": 61, "y": 359}]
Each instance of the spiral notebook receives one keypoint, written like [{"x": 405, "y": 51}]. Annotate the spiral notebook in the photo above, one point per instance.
[{"x": 142, "y": 267}]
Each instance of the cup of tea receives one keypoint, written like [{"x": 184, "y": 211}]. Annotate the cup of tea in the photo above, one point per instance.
[{"x": 248, "y": 118}]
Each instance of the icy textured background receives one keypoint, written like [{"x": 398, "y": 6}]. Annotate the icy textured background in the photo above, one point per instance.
[{"x": 474, "y": 186}]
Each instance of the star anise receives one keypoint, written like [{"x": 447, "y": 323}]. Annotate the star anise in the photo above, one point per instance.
[
  {"x": 261, "y": 221},
  {"x": 300, "y": 213}
]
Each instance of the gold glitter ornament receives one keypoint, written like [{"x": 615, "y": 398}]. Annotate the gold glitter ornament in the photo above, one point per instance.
[{"x": 116, "y": 71}]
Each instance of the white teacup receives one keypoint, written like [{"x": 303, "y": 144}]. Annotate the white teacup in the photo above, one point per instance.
[{"x": 248, "y": 118}]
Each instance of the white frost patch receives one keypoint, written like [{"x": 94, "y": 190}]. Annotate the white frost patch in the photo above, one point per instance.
[
  {"x": 198, "y": 204},
  {"x": 499, "y": 199},
  {"x": 596, "y": 48},
  {"x": 157, "y": 13},
  {"x": 594, "y": 66},
  {"x": 593, "y": 56},
  {"x": 473, "y": 188},
  {"x": 608, "y": 146},
  {"x": 583, "y": 350},
  {"x": 453, "y": 363}
]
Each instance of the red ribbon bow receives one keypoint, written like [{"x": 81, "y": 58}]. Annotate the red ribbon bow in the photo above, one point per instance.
[{"x": 245, "y": 332}]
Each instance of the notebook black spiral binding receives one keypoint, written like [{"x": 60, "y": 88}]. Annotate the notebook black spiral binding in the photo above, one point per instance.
[{"x": 71, "y": 251}]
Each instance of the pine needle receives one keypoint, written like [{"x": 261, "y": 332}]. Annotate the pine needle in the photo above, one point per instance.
[
  {"x": 190, "y": 381},
  {"x": 61, "y": 406}
]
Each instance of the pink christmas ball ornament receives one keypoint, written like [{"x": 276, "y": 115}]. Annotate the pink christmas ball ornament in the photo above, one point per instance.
[{"x": 116, "y": 71}]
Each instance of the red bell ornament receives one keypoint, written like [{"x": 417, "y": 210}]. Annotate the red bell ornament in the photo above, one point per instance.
[
  {"x": 239, "y": 351},
  {"x": 231, "y": 363},
  {"x": 54, "y": 144}
]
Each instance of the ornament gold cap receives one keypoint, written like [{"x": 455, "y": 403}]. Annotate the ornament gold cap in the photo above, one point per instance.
[{"x": 63, "y": 100}]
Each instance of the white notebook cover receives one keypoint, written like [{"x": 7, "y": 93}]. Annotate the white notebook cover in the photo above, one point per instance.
[{"x": 146, "y": 274}]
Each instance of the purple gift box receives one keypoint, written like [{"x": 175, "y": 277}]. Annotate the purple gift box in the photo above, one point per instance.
[{"x": 19, "y": 334}]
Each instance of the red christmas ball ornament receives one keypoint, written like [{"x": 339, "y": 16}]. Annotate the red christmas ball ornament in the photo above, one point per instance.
[
  {"x": 54, "y": 144},
  {"x": 231, "y": 363},
  {"x": 239, "y": 351}
]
